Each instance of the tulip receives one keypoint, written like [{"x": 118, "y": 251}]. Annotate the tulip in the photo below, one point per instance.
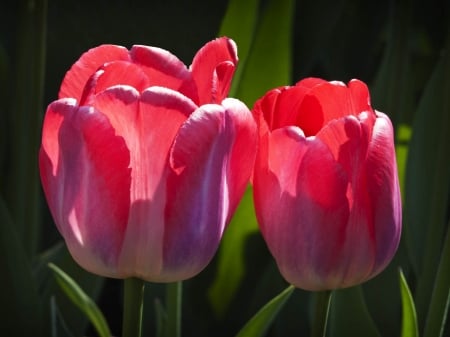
[
  {"x": 325, "y": 182},
  {"x": 144, "y": 160}
]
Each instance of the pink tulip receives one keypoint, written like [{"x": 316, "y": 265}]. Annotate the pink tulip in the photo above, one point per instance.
[
  {"x": 143, "y": 160},
  {"x": 325, "y": 182}
]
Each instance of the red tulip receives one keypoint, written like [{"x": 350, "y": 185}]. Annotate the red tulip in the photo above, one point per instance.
[
  {"x": 325, "y": 182},
  {"x": 143, "y": 160}
]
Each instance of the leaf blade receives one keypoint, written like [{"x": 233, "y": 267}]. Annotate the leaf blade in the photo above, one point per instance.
[
  {"x": 81, "y": 300},
  {"x": 409, "y": 317},
  {"x": 260, "y": 322}
]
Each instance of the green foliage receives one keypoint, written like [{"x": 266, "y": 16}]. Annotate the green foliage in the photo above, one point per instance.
[
  {"x": 409, "y": 318},
  {"x": 349, "y": 315},
  {"x": 20, "y": 308},
  {"x": 81, "y": 300},
  {"x": 257, "y": 326}
]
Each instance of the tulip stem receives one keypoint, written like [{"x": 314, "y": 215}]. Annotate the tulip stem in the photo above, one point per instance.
[
  {"x": 322, "y": 307},
  {"x": 133, "y": 307},
  {"x": 174, "y": 293}
]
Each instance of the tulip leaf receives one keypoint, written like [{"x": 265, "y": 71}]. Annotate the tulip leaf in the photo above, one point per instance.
[
  {"x": 257, "y": 326},
  {"x": 392, "y": 87},
  {"x": 349, "y": 315},
  {"x": 269, "y": 63},
  {"x": 81, "y": 300},
  {"x": 239, "y": 24},
  {"x": 231, "y": 266},
  {"x": 20, "y": 307},
  {"x": 58, "y": 254},
  {"x": 403, "y": 137},
  {"x": 427, "y": 182},
  {"x": 440, "y": 299},
  {"x": 409, "y": 318}
]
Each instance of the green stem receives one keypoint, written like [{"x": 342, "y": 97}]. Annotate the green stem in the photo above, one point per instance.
[
  {"x": 322, "y": 307},
  {"x": 173, "y": 306},
  {"x": 133, "y": 307}
]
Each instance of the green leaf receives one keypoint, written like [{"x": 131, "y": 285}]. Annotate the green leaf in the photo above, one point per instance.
[
  {"x": 58, "y": 254},
  {"x": 239, "y": 24},
  {"x": 440, "y": 299},
  {"x": 409, "y": 317},
  {"x": 392, "y": 89},
  {"x": 427, "y": 182},
  {"x": 81, "y": 300},
  {"x": 349, "y": 315},
  {"x": 403, "y": 136},
  {"x": 258, "y": 324},
  {"x": 231, "y": 264},
  {"x": 20, "y": 307},
  {"x": 269, "y": 63}
]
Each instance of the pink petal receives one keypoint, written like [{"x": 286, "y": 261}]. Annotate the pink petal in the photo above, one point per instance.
[
  {"x": 148, "y": 123},
  {"x": 87, "y": 183},
  {"x": 310, "y": 82},
  {"x": 301, "y": 205},
  {"x": 347, "y": 140},
  {"x": 212, "y": 69},
  {"x": 112, "y": 74},
  {"x": 77, "y": 77},
  {"x": 206, "y": 186},
  {"x": 332, "y": 100},
  {"x": 264, "y": 110},
  {"x": 383, "y": 189},
  {"x": 165, "y": 70}
]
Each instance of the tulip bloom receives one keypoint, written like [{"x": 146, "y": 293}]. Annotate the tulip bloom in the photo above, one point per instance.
[
  {"x": 325, "y": 183},
  {"x": 144, "y": 160}
]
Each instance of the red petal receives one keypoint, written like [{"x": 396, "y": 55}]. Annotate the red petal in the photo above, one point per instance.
[
  {"x": 89, "y": 192},
  {"x": 165, "y": 70},
  {"x": 212, "y": 162},
  {"x": 112, "y": 74},
  {"x": 77, "y": 77},
  {"x": 148, "y": 123},
  {"x": 310, "y": 82},
  {"x": 212, "y": 68},
  {"x": 383, "y": 188},
  {"x": 332, "y": 100},
  {"x": 301, "y": 205}
]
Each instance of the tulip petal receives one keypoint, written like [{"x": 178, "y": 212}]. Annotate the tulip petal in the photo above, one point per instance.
[
  {"x": 78, "y": 75},
  {"x": 384, "y": 191},
  {"x": 204, "y": 186},
  {"x": 212, "y": 69},
  {"x": 348, "y": 141},
  {"x": 85, "y": 174},
  {"x": 148, "y": 123},
  {"x": 332, "y": 100},
  {"x": 300, "y": 202},
  {"x": 165, "y": 70},
  {"x": 112, "y": 74}
]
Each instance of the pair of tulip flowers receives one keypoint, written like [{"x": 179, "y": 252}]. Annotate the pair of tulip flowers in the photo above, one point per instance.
[{"x": 143, "y": 162}]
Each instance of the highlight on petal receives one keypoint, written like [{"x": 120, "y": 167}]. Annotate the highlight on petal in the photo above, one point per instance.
[
  {"x": 89, "y": 192},
  {"x": 157, "y": 119},
  {"x": 212, "y": 69},
  {"x": 204, "y": 186},
  {"x": 78, "y": 75},
  {"x": 165, "y": 70}
]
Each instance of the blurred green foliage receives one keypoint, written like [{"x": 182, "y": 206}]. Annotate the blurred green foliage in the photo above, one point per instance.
[{"x": 400, "y": 48}]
